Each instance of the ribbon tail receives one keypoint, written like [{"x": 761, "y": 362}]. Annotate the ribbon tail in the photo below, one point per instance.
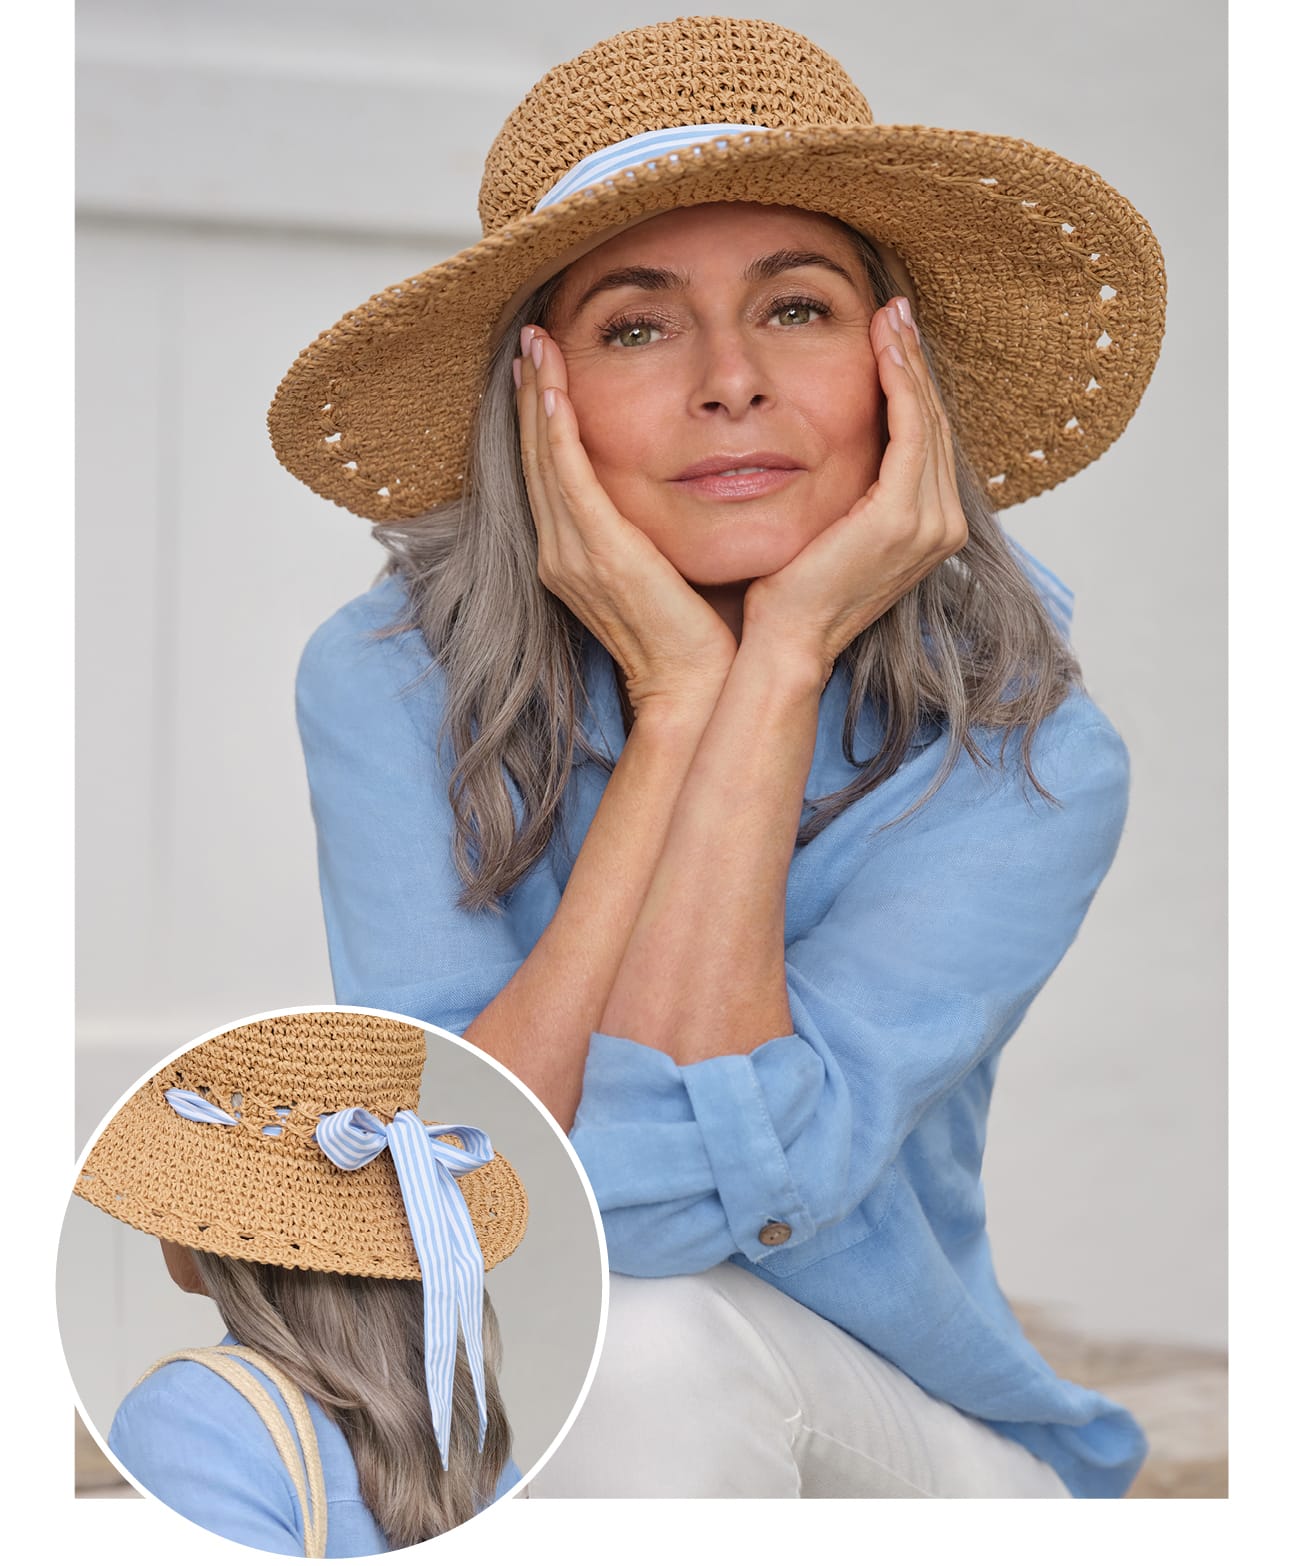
[
  {"x": 452, "y": 1271},
  {"x": 470, "y": 1301}
]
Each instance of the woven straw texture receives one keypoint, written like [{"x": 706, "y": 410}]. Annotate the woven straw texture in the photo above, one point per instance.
[
  {"x": 1039, "y": 288},
  {"x": 239, "y": 1192}
]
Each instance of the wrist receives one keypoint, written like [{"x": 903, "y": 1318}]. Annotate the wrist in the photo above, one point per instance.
[
  {"x": 788, "y": 667},
  {"x": 679, "y": 715},
  {"x": 769, "y": 632}
]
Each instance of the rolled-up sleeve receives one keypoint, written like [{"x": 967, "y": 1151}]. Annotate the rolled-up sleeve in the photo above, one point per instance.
[{"x": 923, "y": 965}]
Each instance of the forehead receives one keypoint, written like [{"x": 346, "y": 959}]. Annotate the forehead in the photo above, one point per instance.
[{"x": 724, "y": 234}]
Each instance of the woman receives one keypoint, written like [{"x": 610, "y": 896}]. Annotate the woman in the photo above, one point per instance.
[
  {"x": 711, "y": 757},
  {"x": 342, "y": 1297}
]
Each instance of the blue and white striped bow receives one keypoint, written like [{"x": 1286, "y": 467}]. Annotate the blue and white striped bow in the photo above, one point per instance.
[{"x": 451, "y": 1261}]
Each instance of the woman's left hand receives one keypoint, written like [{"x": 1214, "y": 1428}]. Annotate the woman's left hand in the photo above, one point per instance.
[{"x": 909, "y": 520}]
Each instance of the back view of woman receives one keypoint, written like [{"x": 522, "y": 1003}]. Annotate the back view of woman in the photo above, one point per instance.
[{"x": 352, "y": 1407}]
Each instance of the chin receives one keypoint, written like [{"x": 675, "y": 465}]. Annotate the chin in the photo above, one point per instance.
[
  {"x": 719, "y": 573},
  {"x": 739, "y": 555}
]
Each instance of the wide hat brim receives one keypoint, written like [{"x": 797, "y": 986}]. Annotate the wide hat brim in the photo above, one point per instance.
[
  {"x": 1038, "y": 288},
  {"x": 236, "y": 1191}
]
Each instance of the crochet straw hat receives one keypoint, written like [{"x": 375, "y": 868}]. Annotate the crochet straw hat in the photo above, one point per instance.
[
  {"x": 262, "y": 1189},
  {"x": 1039, "y": 289}
]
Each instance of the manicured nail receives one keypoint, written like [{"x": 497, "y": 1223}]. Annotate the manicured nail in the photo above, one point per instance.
[
  {"x": 902, "y": 305},
  {"x": 526, "y": 337},
  {"x": 515, "y": 373},
  {"x": 895, "y": 354},
  {"x": 535, "y": 353},
  {"x": 549, "y": 400}
]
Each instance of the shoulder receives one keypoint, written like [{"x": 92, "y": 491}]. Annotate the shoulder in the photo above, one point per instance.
[
  {"x": 185, "y": 1426},
  {"x": 1080, "y": 761},
  {"x": 198, "y": 1445},
  {"x": 183, "y": 1400},
  {"x": 358, "y": 665},
  {"x": 990, "y": 803},
  {"x": 1077, "y": 746},
  {"x": 363, "y": 630}
]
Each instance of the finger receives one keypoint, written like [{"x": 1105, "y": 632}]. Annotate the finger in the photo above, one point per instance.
[
  {"x": 548, "y": 375},
  {"x": 937, "y": 486},
  {"x": 910, "y": 445},
  {"x": 527, "y": 410},
  {"x": 573, "y": 489},
  {"x": 911, "y": 341},
  {"x": 943, "y": 519},
  {"x": 904, "y": 338}
]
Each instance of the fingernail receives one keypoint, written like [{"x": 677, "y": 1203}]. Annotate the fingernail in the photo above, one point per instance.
[
  {"x": 535, "y": 353},
  {"x": 893, "y": 319},
  {"x": 902, "y": 305},
  {"x": 895, "y": 354},
  {"x": 526, "y": 337},
  {"x": 549, "y": 400}
]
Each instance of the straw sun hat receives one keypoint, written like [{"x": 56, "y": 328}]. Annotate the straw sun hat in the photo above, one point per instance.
[
  {"x": 1037, "y": 286},
  {"x": 262, "y": 1188},
  {"x": 295, "y": 1141}
]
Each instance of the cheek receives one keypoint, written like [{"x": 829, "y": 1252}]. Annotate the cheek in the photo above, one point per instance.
[
  {"x": 622, "y": 432},
  {"x": 846, "y": 416},
  {"x": 602, "y": 420},
  {"x": 864, "y": 437}
]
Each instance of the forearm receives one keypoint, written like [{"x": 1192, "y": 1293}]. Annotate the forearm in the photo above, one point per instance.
[
  {"x": 703, "y": 971},
  {"x": 540, "y": 1022}
]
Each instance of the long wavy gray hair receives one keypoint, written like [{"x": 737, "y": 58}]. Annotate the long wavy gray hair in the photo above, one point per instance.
[
  {"x": 970, "y": 646},
  {"x": 357, "y": 1346}
]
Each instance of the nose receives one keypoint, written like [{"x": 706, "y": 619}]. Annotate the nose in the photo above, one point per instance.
[{"x": 731, "y": 376}]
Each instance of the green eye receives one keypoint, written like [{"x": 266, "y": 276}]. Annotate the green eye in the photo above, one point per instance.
[
  {"x": 794, "y": 314},
  {"x": 636, "y": 334}
]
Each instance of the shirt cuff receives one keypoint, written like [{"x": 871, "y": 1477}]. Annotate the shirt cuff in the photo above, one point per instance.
[{"x": 651, "y": 1131}]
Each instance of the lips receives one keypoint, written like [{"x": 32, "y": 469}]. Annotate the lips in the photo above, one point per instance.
[{"x": 731, "y": 462}]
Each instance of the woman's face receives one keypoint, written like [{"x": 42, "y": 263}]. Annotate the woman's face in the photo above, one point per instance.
[{"x": 722, "y": 337}]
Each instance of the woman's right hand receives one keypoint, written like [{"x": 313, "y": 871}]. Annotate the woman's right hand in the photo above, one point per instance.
[{"x": 672, "y": 646}]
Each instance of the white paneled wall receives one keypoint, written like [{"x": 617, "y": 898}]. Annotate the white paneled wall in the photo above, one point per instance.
[
  {"x": 248, "y": 172},
  {"x": 204, "y": 568}
]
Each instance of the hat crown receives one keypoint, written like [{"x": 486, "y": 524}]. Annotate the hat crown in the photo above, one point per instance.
[
  {"x": 251, "y": 1180},
  {"x": 305, "y": 1064},
  {"x": 698, "y": 70}
]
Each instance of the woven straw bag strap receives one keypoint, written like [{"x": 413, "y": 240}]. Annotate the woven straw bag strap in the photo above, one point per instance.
[{"x": 305, "y": 1470}]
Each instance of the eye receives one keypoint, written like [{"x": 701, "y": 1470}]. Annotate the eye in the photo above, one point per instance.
[
  {"x": 635, "y": 335},
  {"x": 631, "y": 332},
  {"x": 797, "y": 312}
]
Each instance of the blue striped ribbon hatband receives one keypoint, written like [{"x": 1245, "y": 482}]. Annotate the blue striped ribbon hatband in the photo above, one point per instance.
[{"x": 602, "y": 166}]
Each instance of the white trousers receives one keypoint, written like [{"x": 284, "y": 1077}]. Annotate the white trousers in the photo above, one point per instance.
[{"x": 720, "y": 1385}]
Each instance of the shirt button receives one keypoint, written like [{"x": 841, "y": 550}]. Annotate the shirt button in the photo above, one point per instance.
[{"x": 775, "y": 1234}]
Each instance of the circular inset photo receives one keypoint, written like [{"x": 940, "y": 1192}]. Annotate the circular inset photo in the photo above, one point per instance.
[{"x": 331, "y": 1283}]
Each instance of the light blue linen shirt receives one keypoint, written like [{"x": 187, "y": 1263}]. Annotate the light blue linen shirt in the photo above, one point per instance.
[
  {"x": 912, "y": 955},
  {"x": 200, "y": 1446}
]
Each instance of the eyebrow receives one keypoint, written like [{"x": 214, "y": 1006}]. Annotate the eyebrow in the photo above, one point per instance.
[{"x": 656, "y": 279}]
